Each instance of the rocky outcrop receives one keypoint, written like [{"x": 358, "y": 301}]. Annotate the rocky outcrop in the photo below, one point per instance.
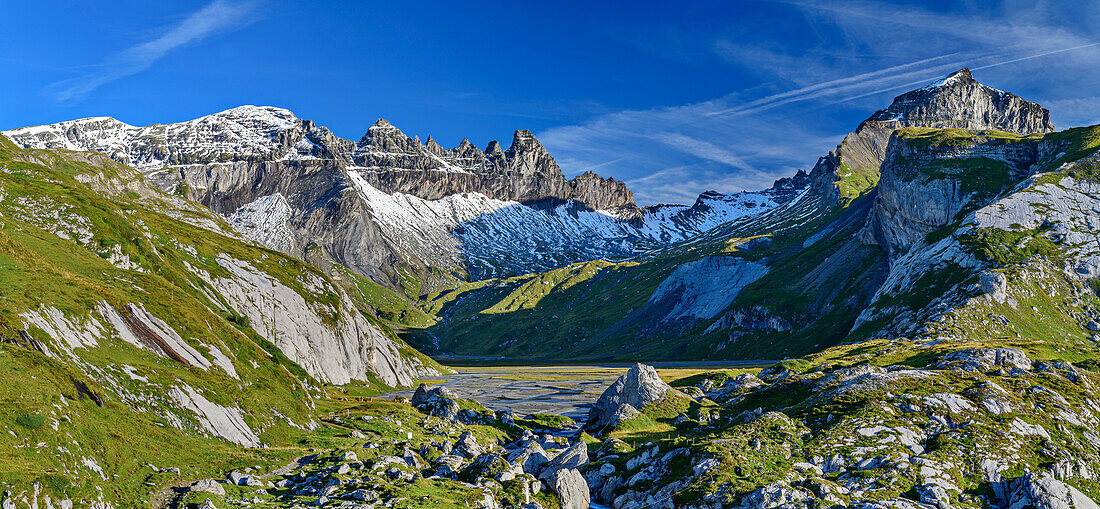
[
  {"x": 215, "y": 419},
  {"x": 702, "y": 289},
  {"x": 985, "y": 359},
  {"x": 571, "y": 488},
  {"x": 1043, "y": 491},
  {"x": 923, "y": 186},
  {"x": 640, "y": 385},
  {"x": 526, "y": 172}
]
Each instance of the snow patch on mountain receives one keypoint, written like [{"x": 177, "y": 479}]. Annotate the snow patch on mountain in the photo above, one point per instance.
[
  {"x": 241, "y": 132},
  {"x": 674, "y": 223}
]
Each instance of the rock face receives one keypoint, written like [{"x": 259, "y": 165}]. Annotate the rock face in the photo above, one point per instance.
[
  {"x": 208, "y": 486},
  {"x": 923, "y": 188},
  {"x": 526, "y": 172},
  {"x": 984, "y": 359},
  {"x": 640, "y": 385},
  {"x": 957, "y": 101},
  {"x": 702, "y": 289},
  {"x": 588, "y": 189}
]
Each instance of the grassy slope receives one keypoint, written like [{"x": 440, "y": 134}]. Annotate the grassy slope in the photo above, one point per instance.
[{"x": 42, "y": 198}]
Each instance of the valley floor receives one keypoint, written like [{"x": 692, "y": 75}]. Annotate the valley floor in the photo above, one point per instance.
[{"x": 568, "y": 390}]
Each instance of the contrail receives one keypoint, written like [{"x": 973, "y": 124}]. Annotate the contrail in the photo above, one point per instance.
[
  {"x": 820, "y": 89},
  {"x": 995, "y": 64},
  {"x": 794, "y": 95},
  {"x": 1038, "y": 55}
]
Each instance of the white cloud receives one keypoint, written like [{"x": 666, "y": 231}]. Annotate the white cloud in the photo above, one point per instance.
[{"x": 217, "y": 16}]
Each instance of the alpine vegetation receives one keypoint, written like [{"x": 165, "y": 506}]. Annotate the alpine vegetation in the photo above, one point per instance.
[{"x": 242, "y": 310}]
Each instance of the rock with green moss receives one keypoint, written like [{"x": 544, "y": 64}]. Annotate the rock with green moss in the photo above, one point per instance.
[{"x": 640, "y": 385}]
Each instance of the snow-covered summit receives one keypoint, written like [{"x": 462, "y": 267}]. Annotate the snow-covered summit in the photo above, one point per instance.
[{"x": 244, "y": 132}]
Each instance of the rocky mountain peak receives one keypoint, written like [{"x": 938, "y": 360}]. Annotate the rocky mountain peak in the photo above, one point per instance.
[
  {"x": 467, "y": 151},
  {"x": 961, "y": 76},
  {"x": 384, "y": 137},
  {"x": 433, "y": 146},
  {"x": 495, "y": 158},
  {"x": 960, "y": 101},
  {"x": 527, "y": 156},
  {"x": 954, "y": 101}
]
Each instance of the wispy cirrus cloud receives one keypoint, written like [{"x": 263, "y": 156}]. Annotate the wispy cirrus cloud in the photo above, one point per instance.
[
  {"x": 811, "y": 91},
  {"x": 217, "y": 16}
]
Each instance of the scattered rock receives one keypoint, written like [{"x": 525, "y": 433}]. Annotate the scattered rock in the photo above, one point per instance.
[{"x": 208, "y": 486}]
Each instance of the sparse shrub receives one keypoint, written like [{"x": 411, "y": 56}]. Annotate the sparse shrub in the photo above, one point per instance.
[{"x": 32, "y": 421}]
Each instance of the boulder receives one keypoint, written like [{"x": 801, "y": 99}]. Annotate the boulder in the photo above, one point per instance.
[
  {"x": 530, "y": 457},
  {"x": 420, "y": 395},
  {"x": 439, "y": 402},
  {"x": 640, "y": 385},
  {"x": 776, "y": 495},
  {"x": 735, "y": 386},
  {"x": 594, "y": 479},
  {"x": 995, "y": 284},
  {"x": 208, "y": 486},
  {"x": 571, "y": 488},
  {"x": 934, "y": 495},
  {"x": 448, "y": 465},
  {"x": 1042, "y": 491},
  {"x": 576, "y": 456},
  {"x": 467, "y": 446},
  {"x": 608, "y": 490}
]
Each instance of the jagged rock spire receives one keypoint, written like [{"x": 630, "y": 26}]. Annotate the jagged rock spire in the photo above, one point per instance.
[{"x": 527, "y": 156}]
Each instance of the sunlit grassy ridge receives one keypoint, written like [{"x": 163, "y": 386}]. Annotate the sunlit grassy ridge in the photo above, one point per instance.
[{"x": 78, "y": 230}]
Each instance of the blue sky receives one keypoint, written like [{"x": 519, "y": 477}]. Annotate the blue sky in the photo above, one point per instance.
[{"x": 672, "y": 97}]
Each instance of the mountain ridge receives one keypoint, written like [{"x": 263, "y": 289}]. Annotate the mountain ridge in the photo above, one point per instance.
[{"x": 582, "y": 218}]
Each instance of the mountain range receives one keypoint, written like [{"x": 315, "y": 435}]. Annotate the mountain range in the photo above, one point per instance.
[{"x": 495, "y": 252}]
